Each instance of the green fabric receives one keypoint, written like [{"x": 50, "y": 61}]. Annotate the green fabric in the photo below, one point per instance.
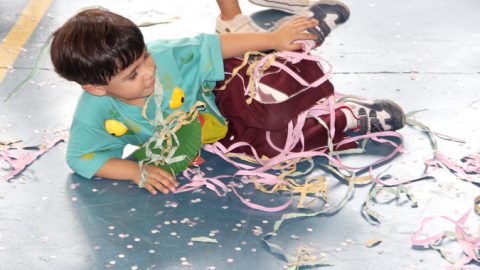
[
  {"x": 189, "y": 142},
  {"x": 188, "y": 63}
]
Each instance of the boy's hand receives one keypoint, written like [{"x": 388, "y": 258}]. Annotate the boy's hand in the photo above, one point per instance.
[
  {"x": 293, "y": 30},
  {"x": 158, "y": 179}
]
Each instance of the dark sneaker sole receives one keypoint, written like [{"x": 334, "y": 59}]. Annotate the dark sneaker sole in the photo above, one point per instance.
[
  {"x": 332, "y": 6},
  {"x": 320, "y": 10},
  {"x": 398, "y": 120}
]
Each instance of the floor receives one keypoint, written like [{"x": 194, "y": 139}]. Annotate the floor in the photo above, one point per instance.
[{"x": 422, "y": 53}]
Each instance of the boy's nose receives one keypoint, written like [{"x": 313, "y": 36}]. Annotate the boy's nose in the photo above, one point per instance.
[{"x": 149, "y": 68}]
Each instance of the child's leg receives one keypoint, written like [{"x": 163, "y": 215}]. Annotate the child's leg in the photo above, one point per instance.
[
  {"x": 290, "y": 6},
  {"x": 315, "y": 136},
  {"x": 231, "y": 18}
]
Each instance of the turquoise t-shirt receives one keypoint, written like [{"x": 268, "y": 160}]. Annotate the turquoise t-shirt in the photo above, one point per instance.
[{"x": 190, "y": 64}]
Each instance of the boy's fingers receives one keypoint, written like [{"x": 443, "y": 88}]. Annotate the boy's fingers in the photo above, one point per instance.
[
  {"x": 159, "y": 185},
  {"x": 172, "y": 182},
  {"x": 305, "y": 36},
  {"x": 150, "y": 189},
  {"x": 296, "y": 46}
]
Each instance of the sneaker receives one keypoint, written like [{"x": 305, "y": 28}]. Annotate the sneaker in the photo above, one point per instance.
[
  {"x": 240, "y": 23},
  {"x": 376, "y": 116},
  {"x": 290, "y": 6},
  {"x": 328, "y": 13}
]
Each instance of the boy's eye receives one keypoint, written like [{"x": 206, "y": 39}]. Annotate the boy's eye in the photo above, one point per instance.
[
  {"x": 178, "y": 97},
  {"x": 133, "y": 76}
]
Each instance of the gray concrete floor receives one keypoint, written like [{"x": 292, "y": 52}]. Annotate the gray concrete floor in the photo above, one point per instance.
[{"x": 422, "y": 53}]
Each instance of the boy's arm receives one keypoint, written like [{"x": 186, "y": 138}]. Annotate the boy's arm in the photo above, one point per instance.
[
  {"x": 236, "y": 44},
  {"x": 124, "y": 169}
]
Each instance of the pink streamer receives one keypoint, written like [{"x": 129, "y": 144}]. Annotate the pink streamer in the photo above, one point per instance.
[
  {"x": 25, "y": 158},
  {"x": 468, "y": 243}
]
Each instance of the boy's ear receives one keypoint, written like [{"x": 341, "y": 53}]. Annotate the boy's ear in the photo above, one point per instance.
[{"x": 96, "y": 90}]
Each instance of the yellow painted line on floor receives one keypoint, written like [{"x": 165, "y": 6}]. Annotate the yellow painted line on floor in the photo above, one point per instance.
[{"x": 20, "y": 32}]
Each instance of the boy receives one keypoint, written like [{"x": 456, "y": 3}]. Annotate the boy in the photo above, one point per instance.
[{"x": 105, "y": 54}]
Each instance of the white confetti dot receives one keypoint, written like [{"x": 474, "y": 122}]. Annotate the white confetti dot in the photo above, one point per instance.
[
  {"x": 134, "y": 267},
  {"x": 190, "y": 243},
  {"x": 264, "y": 221},
  {"x": 230, "y": 260},
  {"x": 310, "y": 229},
  {"x": 151, "y": 251},
  {"x": 129, "y": 246},
  {"x": 174, "y": 221},
  {"x": 137, "y": 239},
  {"x": 154, "y": 231},
  {"x": 113, "y": 262},
  {"x": 74, "y": 199},
  {"x": 173, "y": 233},
  {"x": 238, "y": 248},
  {"x": 225, "y": 207},
  {"x": 238, "y": 225},
  {"x": 111, "y": 227},
  {"x": 338, "y": 249},
  {"x": 183, "y": 259},
  {"x": 121, "y": 255},
  {"x": 94, "y": 190},
  {"x": 253, "y": 250}
]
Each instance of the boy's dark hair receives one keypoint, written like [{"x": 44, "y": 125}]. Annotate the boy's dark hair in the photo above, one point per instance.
[{"x": 94, "y": 45}]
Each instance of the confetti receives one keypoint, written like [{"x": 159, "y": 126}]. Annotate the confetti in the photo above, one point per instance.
[
  {"x": 204, "y": 239},
  {"x": 171, "y": 204},
  {"x": 372, "y": 242},
  {"x": 197, "y": 200},
  {"x": 257, "y": 230}
]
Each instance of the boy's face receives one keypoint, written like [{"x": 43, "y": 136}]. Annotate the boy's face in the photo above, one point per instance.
[{"x": 133, "y": 83}]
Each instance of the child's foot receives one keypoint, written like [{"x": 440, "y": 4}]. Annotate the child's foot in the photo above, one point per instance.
[
  {"x": 240, "y": 23},
  {"x": 329, "y": 14},
  {"x": 290, "y": 6},
  {"x": 376, "y": 116}
]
